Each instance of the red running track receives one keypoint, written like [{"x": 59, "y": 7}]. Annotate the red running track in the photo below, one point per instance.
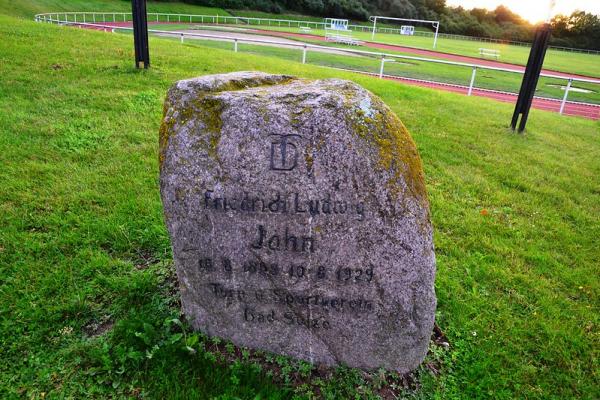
[
  {"x": 585, "y": 110},
  {"x": 589, "y": 111}
]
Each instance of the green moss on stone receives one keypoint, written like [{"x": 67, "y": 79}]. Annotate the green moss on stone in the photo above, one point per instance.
[
  {"x": 207, "y": 109},
  {"x": 397, "y": 151},
  {"x": 309, "y": 158},
  {"x": 166, "y": 129}
]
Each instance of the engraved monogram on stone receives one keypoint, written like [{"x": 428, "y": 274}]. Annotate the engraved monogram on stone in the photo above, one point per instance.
[{"x": 284, "y": 154}]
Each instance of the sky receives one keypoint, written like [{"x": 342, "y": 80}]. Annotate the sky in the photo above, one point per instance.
[{"x": 532, "y": 10}]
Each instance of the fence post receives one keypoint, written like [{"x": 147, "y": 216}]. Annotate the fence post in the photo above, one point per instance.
[
  {"x": 235, "y": 45},
  {"x": 181, "y": 38},
  {"x": 564, "y": 100},
  {"x": 304, "y": 55},
  {"x": 472, "y": 81},
  {"x": 140, "y": 33},
  {"x": 381, "y": 67}
]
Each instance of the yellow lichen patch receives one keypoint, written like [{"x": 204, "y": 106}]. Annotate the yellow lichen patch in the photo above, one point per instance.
[
  {"x": 207, "y": 109},
  {"x": 397, "y": 151},
  {"x": 309, "y": 158}
]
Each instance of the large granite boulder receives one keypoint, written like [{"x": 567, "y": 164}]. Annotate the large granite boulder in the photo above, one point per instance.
[{"x": 298, "y": 219}]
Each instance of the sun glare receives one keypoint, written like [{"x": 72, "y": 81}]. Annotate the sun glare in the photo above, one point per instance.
[{"x": 531, "y": 10}]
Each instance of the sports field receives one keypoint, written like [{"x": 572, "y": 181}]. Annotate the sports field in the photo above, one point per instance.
[
  {"x": 452, "y": 74},
  {"x": 577, "y": 63}
]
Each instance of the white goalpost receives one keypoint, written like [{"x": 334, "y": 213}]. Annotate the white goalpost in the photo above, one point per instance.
[{"x": 435, "y": 24}]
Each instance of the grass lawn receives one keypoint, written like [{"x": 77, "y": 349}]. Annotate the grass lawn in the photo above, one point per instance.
[
  {"x": 88, "y": 304},
  {"x": 28, "y": 8}
]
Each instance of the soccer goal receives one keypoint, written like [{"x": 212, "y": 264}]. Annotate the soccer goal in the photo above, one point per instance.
[{"x": 406, "y": 30}]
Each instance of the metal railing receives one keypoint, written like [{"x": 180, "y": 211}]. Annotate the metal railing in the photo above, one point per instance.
[{"x": 305, "y": 47}]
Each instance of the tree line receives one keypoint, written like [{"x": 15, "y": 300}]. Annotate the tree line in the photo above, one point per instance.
[{"x": 580, "y": 29}]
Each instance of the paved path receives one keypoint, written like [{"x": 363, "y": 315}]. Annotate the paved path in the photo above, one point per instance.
[
  {"x": 240, "y": 33},
  {"x": 286, "y": 43}
]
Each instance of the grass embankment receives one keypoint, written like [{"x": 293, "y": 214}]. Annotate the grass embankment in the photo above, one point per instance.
[
  {"x": 28, "y": 8},
  {"x": 87, "y": 302}
]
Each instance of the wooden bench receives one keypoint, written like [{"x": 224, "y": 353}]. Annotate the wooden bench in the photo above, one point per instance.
[
  {"x": 342, "y": 38},
  {"x": 489, "y": 53}
]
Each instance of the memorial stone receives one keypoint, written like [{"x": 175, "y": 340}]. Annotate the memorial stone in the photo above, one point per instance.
[{"x": 298, "y": 219}]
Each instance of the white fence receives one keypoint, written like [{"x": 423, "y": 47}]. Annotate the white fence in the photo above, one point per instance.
[{"x": 305, "y": 47}]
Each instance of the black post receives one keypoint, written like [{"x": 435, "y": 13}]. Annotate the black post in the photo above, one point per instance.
[
  {"x": 140, "y": 33},
  {"x": 531, "y": 76}
]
